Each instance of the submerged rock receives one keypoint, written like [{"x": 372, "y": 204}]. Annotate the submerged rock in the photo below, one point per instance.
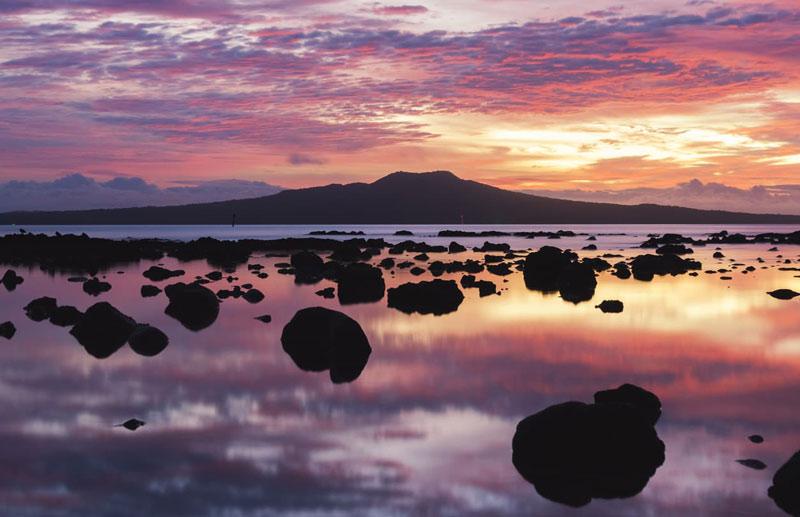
[
  {"x": 360, "y": 283},
  {"x": 131, "y": 424},
  {"x": 756, "y": 438},
  {"x": 158, "y": 273},
  {"x": 645, "y": 267},
  {"x": 432, "y": 297},
  {"x": 611, "y": 306},
  {"x": 752, "y": 464},
  {"x": 103, "y": 329},
  {"x": 785, "y": 489},
  {"x": 266, "y": 318},
  {"x": 7, "y": 330},
  {"x": 148, "y": 341},
  {"x": 319, "y": 339},
  {"x": 574, "y": 452},
  {"x": 195, "y": 306},
  {"x": 40, "y": 309},
  {"x": 328, "y": 292}
]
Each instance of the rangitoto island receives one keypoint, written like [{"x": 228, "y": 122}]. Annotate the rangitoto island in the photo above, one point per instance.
[{"x": 438, "y": 197}]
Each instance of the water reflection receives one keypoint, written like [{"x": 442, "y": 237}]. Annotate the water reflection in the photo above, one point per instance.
[{"x": 234, "y": 427}]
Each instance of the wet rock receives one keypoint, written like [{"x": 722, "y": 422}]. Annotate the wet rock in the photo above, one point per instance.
[
  {"x": 422, "y": 257},
  {"x": 195, "y": 306},
  {"x": 148, "y": 341},
  {"x": 718, "y": 255},
  {"x": 611, "y": 306},
  {"x": 103, "y": 329},
  {"x": 319, "y": 339},
  {"x": 253, "y": 296},
  {"x": 645, "y": 402},
  {"x": 503, "y": 269},
  {"x": 328, "y": 292},
  {"x": 575, "y": 452},
  {"x": 674, "y": 249},
  {"x": 214, "y": 276},
  {"x": 360, "y": 283},
  {"x": 307, "y": 267},
  {"x": 95, "y": 287},
  {"x": 543, "y": 268},
  {"x": 783, "y": 294},
  {"x": 431, "y": 297},
  {"x": 148, "y": 291},
  {"x": 158, "y": 273},
  {"x": 40, "y": 309},
  {"x": 752, "y": 464},
  {"x": 622, "y": 271},
  {"x": 7, "y": 330},
  {"x": 485, "y": 288},
  {"x": 65, "y": 316},
  {"x": 596, "y": 264},
  {"x": 387, "y": 263},
  {"x": 131, "y": 425},
  {"x": 266, "y": 318},
  {"x": 577, "y": 283},
  {"x": 455, "y": 247},
  {"x": 11, "y": 280},
  {"x": 416, "y": 271},
  {"x": 785, "y": 489},
  {"x": 645, "y": 267}
]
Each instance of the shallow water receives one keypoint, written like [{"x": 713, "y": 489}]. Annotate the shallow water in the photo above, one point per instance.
[{"x": 235, "y": 428}]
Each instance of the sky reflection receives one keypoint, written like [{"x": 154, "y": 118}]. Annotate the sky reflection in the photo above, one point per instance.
[{"x": 235, "y": 428}]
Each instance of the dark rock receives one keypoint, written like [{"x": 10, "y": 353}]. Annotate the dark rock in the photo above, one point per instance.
[
  {"x": 360, "y": 283},
  {"x": 590, "y": 247},
  {"x": 433, "y": 297},
  {"x": 195, "y": 306},
  {"x": 266, "y": 318},
  {"x": 40, "y": 309},
  {"x": 455, "y": 247},
  {"x": 575, "y": 452},
  {"x": 485, "y": 288},
  {"x": 622, "y": 271},
  {"x": 307, "y": 267},
  {"x": 148, "y": 341},
  {"x": 674, "y": 249},
  {"x": 646, "y": 266},
  {"x": 253, "y": 296},
  {"x": 95, "y": 287},
  {"x": 422, "y": 257},
  {"x": 491, "y": 247},
  {"x": 7, "y": 330},
  {"x": 157, "y": 273},
  {"x": 65, "y": 316},
  {"x": 756, "y": 438},
  {"x": 403, "y": 233},
  {"x": 77, "y": 279},
  {"x": 11, "y": 280},
  {"x": 785, "y": 489},
  {"x": 783, "y": 294},
  {"x": 503, "y": 269},
  {"x": 543, "y": 268},
  {"x": 387, "y": 263},
  {"x": 596, "y": 264},
  {"x": 647, "y": 403},
  {"x": 132, "y": 424},
  {"x": 149, "y": 291},
  {"x": 576, "y": 283},
  {"x": 102, "y": 330},
  {"x": 718, "y": 255},
  {"x": 347, "y": 252},
  {"x": 319, "y": 339},
  {"x": 416, "y": 271},
  {"x": 611, "y": 306},
  {"x": 752, "y": 464},
  {"x": 214, "y": 275},
  {"x": 328, "y": 292}
]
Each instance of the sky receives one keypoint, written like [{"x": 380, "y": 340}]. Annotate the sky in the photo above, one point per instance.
[{"x": 545, "y": 95}]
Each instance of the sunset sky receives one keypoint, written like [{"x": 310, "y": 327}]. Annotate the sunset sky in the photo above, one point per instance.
[{"x": 558, "y": 94}]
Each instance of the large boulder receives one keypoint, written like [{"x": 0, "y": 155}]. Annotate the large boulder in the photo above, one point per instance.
[
  {"x": 319, "y": 339},
  {"x": 103, "y": 329},
  {"x": 360, "y": 283},
  {"x": 576, "y": 282},
  {"x": 785, "y": 489},
  {"x": 543, "y": 268},
  {"x": 645, "y": 402},
  {"x": 432, "y": 297},
  {"x": 574, "y": 452},
  {"x": 195, "y": 306},
  {"x": 40, "y": 309}
]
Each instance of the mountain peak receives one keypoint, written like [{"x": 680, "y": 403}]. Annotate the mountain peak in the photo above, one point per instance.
[{"x": 409, "y": 177}]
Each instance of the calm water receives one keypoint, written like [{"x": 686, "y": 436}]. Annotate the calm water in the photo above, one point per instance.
[{"x": 235, "y": 428}]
